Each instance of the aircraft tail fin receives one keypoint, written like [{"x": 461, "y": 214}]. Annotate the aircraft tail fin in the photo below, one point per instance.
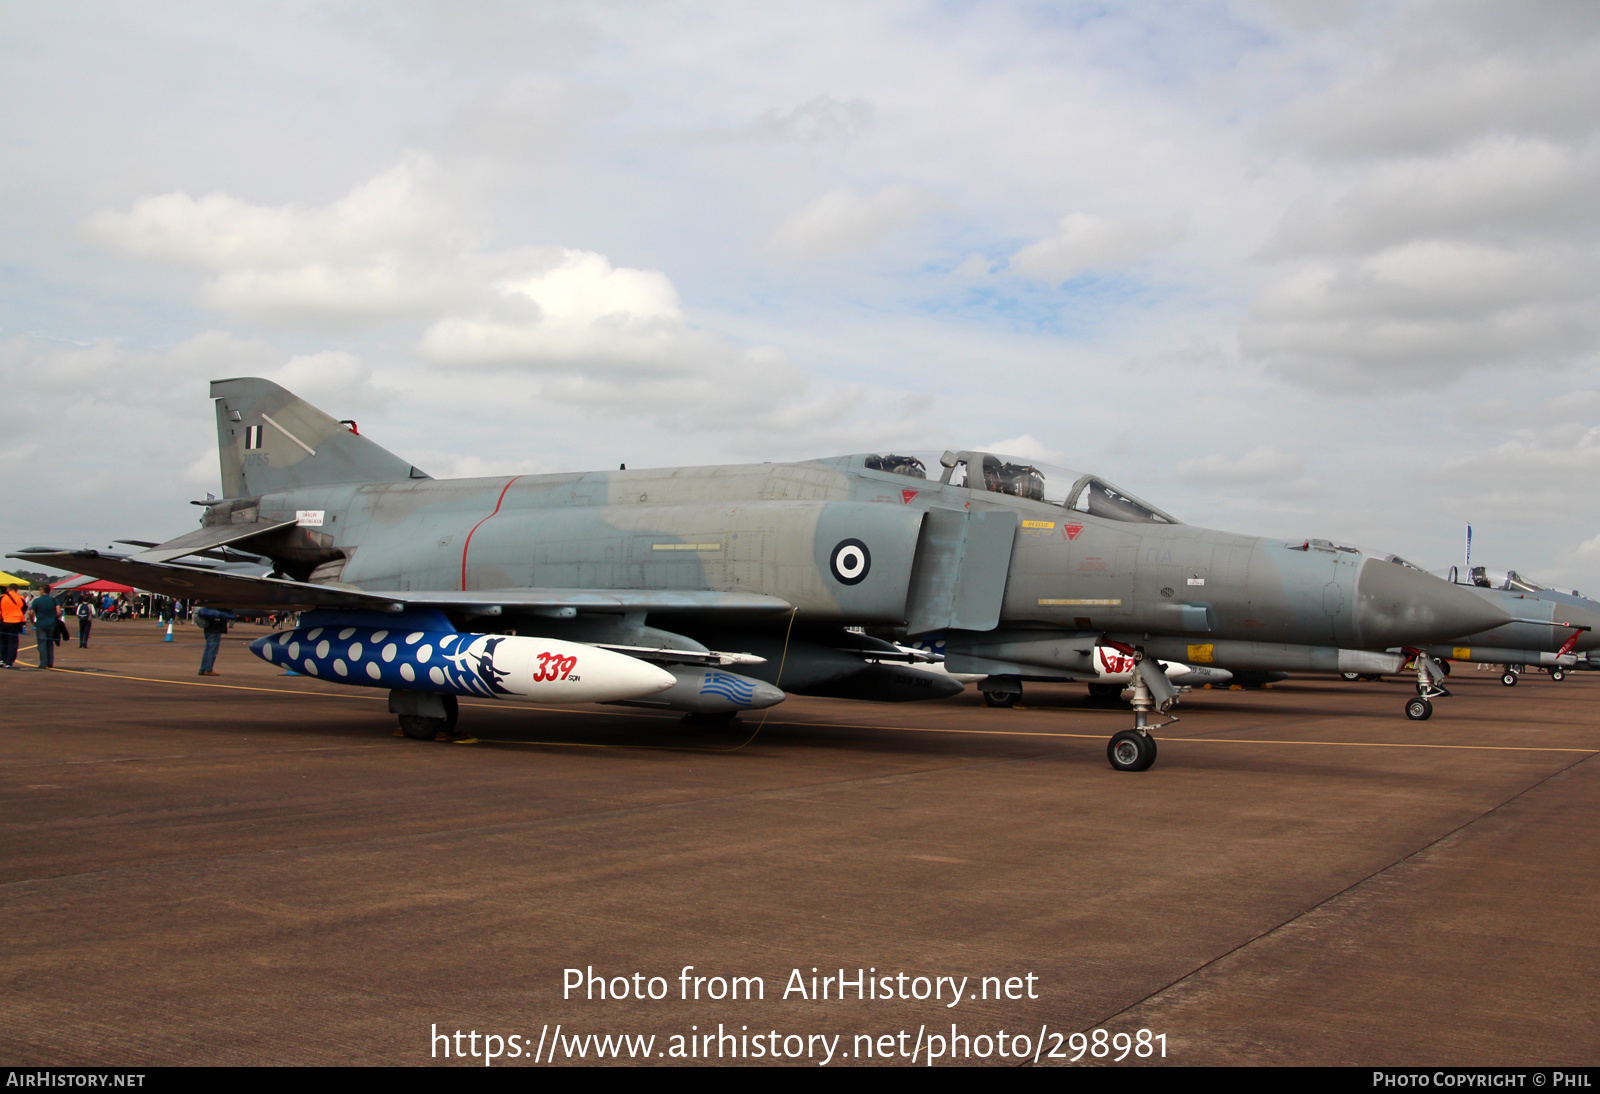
[{"x": 270, "y": 440}]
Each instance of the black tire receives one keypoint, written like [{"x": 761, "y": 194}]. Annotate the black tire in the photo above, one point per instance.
[
  {"x": 1509, "y": 679},
  {"x": 1419, "y": 710},
  {"x": 1350, "y": 677},
  {"x": 1105, "y": 691},
  {"x": 1131, "y": 750},
  {"x": 1558, "y": 674},
  {"x": 1445, "y": 665},
  {"x": 452, "y": 713},
  {"x": 419, "y": 728},
  {"x": 1001, "y": 698}
]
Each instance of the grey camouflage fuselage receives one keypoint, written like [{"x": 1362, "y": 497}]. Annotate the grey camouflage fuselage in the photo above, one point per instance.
[{"x": 1018, "y": 584}]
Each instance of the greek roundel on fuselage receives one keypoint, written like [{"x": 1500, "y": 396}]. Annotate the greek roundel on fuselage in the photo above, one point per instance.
[{"x": 850, "y": 562}]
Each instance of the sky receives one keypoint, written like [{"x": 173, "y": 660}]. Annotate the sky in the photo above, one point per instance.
[{"x": 1309, "y": 268}]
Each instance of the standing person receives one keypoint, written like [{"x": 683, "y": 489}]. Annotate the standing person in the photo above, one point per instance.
[
  {"x": 45, "y": 614},
  {"x": 13, "y": 613},
  {"x": 215, "y": 622},
  {"x": 85, "y": 617}
]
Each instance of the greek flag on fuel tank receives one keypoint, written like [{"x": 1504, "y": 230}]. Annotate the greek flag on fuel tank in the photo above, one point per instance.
[{"x": 735, "y": 689}]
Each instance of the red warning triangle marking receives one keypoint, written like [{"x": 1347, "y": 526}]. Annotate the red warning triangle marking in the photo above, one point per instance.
[
  {"x": 1072, "y": 530},
  {"x": 907, "y": 495}
]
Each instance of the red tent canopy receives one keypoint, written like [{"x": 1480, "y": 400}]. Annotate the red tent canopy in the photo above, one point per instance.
[{"x": 78, "y": 583}]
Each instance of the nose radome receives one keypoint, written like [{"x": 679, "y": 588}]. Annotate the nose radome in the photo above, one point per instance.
[
  {"x": 1399, "y": 606},
  {"x": 1579, "y": 617}
]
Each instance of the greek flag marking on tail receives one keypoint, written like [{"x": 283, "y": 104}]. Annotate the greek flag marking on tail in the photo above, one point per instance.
[{"x": 735, "y": 689}]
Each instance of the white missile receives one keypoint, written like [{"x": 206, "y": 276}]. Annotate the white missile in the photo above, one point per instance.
[
  {"x": 1110, "y": 667},
  {"x": 1115, "y": 667},
  {"x": 490, "y": 666}
]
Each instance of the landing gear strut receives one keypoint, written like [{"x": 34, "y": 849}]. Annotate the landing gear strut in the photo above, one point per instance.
[
  {"x": 1135, "y": 749},
  {"x": 1430, "y": 686}
]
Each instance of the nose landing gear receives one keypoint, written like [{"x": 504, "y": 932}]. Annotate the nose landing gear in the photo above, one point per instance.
[
  {"x": 1135, "y": 749},
  {"x": 1430, "y": 686}
]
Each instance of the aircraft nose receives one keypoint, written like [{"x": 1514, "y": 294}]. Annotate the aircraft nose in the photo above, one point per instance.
[
  {"x": 1399, "y": 606},
  {"x": 1575, "y": 616}
]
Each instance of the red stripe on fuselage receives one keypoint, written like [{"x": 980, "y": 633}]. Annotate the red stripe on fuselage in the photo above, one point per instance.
[{"x": 475, "y": 528}]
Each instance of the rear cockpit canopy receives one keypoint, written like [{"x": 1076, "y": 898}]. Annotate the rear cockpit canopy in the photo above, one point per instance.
[
  {"x": 909, "y": 466},
  {"x": 1024, "y": 478}
]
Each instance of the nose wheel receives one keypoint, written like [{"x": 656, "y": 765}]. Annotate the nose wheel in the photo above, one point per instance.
[
  {"x": 1131, "y": 750},
  {"x": 1419, "y": 709}
]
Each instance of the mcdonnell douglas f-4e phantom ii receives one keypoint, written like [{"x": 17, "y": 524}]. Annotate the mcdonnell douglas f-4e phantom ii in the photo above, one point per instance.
[
  {"x": 717, "y": 589},
  {"x": 1549, "y": 628}
]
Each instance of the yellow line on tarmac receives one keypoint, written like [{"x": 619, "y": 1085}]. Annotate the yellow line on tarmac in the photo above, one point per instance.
[
  {"x": 1376, "y": 744},
  {"x": 225, "y": 687}
]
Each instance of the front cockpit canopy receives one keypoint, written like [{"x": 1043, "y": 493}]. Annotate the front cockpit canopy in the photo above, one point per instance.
[{"x": 1024, "y": 478}]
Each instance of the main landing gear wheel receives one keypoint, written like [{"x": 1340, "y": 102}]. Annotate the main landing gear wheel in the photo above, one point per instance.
[
  {"x": 420, "y": 728},
  {"x": 1509, "y": 679},
  {"x": 1105, "y": 691},
  {"x": 1002, "y": 698},
  {"x": 1419, "y": 710},
  {"x": 1444, "y": 666},
  {"x": 1350, "y": 677},
  {"x": 1558, "y": 674},
  {"x": 1131, "y": 750}
]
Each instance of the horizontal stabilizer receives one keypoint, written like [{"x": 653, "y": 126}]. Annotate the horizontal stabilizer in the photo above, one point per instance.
[{"x": 205, "y": 539}]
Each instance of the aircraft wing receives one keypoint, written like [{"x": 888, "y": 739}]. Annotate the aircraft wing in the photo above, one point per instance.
[{"x": 235, "y": 590}]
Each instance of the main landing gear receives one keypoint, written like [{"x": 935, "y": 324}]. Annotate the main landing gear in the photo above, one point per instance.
[
  {"x": 1430, "y": 686},
  {"x": 423, "y": 717},
  {"x": 1509, "y": 677},
  {"x": 1135, "y": 749},
  {"x": 996, "y": 696}
]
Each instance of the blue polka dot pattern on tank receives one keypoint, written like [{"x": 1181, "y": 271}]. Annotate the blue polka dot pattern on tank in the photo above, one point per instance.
[{"x": 448, "y": 663}]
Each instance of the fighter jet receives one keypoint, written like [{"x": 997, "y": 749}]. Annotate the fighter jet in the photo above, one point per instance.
[
  {"x": 718, "y": 589},
  {"x": 1549, "y": 628}
]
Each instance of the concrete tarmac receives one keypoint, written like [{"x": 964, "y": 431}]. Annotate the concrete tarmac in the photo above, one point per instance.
[{"x": 252, "y": 869}]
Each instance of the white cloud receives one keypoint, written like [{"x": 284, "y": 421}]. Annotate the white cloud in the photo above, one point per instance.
[
  {"x": 1444, "y": 90},
  {"x": 1028, "y": 448},
  {"x": 823, "y": 120},
  {"x": 848, "y": 220},
  {"x": 577, "y": 308},
  {"x": 1413, "y": 313},
  {"x": 1260, "y": 465},
  {"x": 1087, "y": 243},
  {"x": 391, "y": 248},
  {"x": 1498, "y": 189}
]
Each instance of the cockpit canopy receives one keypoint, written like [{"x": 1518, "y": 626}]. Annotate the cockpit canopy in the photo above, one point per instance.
[{"x": 1024, "y": 478}]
